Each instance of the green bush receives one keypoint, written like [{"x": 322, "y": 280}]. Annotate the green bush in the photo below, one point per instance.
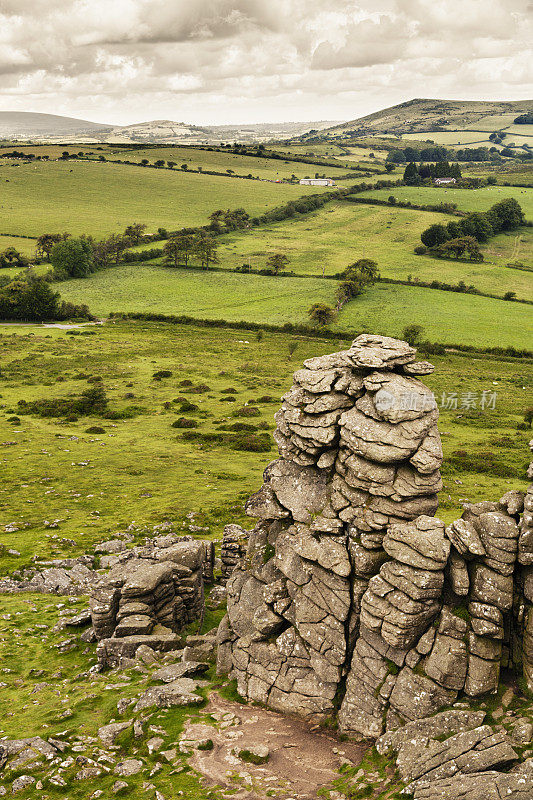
[
  {"x": 92, "y": 401},
  {"x": 183, "y": 422}
]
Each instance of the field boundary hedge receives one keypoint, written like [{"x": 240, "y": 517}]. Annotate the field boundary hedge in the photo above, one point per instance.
[{"x": 436, "y": 348}]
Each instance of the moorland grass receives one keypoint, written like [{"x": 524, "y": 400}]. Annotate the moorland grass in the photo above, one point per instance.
[{"x": 143, "y": 471}]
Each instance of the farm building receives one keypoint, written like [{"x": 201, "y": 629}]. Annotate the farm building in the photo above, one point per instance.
[
  {"x": 444, "y": 181},
  {"x": 317, "y": 182}
]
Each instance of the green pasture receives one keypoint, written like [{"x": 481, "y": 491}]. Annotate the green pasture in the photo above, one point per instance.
[
  {"x": 385, "y": 308},
  {"x": 99, "y": 198},
  {"x": 340, "y": 233},
  {"x": 197, "y": 293},
  {"x": 448, "y": 317},
  {"x": 466, "y": 199},
  {"x": 460, "y": 139},
  {"x": 141, "y": 470},
  {"x": 20, "y": 243},
  {"x": 267, "y": 168}
]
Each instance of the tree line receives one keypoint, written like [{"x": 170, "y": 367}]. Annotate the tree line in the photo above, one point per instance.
[
  {"x": 464, "y": 234},
  {"x": 415, "y": 174}
]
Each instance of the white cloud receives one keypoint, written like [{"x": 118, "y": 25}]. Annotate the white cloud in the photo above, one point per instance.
[{"x": 257, "y": 60}]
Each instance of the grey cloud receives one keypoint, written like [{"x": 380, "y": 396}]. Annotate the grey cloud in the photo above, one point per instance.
[{"x": 228, "y": 60}]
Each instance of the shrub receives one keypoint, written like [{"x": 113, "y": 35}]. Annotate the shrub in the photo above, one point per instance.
[
  {"x": 162, "y": 373},
  {"x": 95, "y": 429},
  {"x": 186, "y": 406},
  {"x": 183, "y": 422},
  {"x": 421, "y": 250},
  {"x": 412, "y": 333},
  {"x": 91, "y": 401},
  {"x": 247, "y": 411}
]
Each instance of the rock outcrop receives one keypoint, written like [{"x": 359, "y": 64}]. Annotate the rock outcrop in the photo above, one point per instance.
[
  {"x": 149, "y": 595},
  {"x": 353, "y": 599}
]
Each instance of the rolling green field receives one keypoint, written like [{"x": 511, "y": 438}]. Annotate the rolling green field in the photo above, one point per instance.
[
  {"x": 271, "y": 169},
  {"x": 342, "y": 232},
  {"x": 99, "y": 199},
  {"x": 447, "y": 317},
  {"x": 23, "y": 245},
  {"x": 211, "y": 295},
  {"x": 466, "y": 199}
]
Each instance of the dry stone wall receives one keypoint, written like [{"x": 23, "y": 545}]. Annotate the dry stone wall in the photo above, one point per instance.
[{"x": 353, "y": 599}]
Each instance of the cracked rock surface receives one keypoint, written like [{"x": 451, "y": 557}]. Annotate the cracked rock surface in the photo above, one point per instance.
[{"x": 353, "y": 600}]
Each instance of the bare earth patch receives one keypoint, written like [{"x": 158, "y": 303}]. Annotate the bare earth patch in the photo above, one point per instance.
[{"x": 302, "y": 760}]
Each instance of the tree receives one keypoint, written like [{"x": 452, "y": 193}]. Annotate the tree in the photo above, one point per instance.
[
  {"x": 46, "y": 243},
  {"x": 507, "y": 214},
  {"x": 434, "y": 235},
  {"x": 135, "y": 232},
  {"x": 206, "y": 249},
  {"x": 411, "y": 176},
  {"x": 367, "y": 269},
  {"x": 73, "y": 257},
  {"x": 171, "y": 164},
  {"x": 412, "y": 334},
  {"x": 528, "y": 416},
  {"x": 389, "y": 167},
  {"x": 178, "y": 249},
  {"x": 321, "y": 314},
  {"x": 33, "y": 299},
  {"x": 12, "y": 258},
  {"x": 277, "y": 262}
]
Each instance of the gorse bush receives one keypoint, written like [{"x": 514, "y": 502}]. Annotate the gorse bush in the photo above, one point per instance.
[{"x": 91, "y": 402}]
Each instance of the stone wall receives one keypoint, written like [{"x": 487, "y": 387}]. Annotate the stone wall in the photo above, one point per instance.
[{"x": 353, "y": 599}]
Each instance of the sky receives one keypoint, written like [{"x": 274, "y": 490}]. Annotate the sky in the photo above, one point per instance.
[{"x": 233, "y": 61}]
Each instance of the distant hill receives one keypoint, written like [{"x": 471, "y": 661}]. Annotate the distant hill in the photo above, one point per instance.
[
  {"x": 426, "y": 116},
  {"x": 27, "y": 126}
]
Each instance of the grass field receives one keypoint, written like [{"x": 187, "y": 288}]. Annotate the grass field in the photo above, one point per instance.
[
  {"x": 269, "y": 168},
  {"x": 141, "y": 469},
  {"x": 459, "y": 139},
  {"x": 448, "y": 317},
  {"x": 466, "y": 199},
  {"x": 211, "y": 295},
  {"x": 445, "y": 316},
  {"x": 340, "y": 233},
  {"x": 23, "y": 245},
  {"x": 99, "y": 199}
]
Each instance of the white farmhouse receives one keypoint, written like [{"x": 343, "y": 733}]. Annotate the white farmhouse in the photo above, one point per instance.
[{"x": 317, "y": 182}]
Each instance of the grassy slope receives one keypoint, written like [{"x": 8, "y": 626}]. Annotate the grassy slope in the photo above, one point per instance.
[
  {"x": 341, "y": 233},
  {"x": 211, "y": 295},
  {"x": 140, "y": 470},
  {"x": 103, "y": 198},
  {"x": 220, "y": 161},
  {"x": 446, "y": 316},
  {"x": 466, "y": 199}
]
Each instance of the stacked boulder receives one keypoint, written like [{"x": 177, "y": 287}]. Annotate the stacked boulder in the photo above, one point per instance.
[
  {"x": 149, "y": 595},
  {"x": 353, "y": 599}
]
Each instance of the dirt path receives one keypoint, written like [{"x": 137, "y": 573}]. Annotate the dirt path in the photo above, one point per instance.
[{"x": 303, "y": 758}]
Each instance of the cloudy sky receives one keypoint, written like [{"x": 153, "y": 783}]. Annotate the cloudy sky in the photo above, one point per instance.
[{"x": 230, "y": 61}]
